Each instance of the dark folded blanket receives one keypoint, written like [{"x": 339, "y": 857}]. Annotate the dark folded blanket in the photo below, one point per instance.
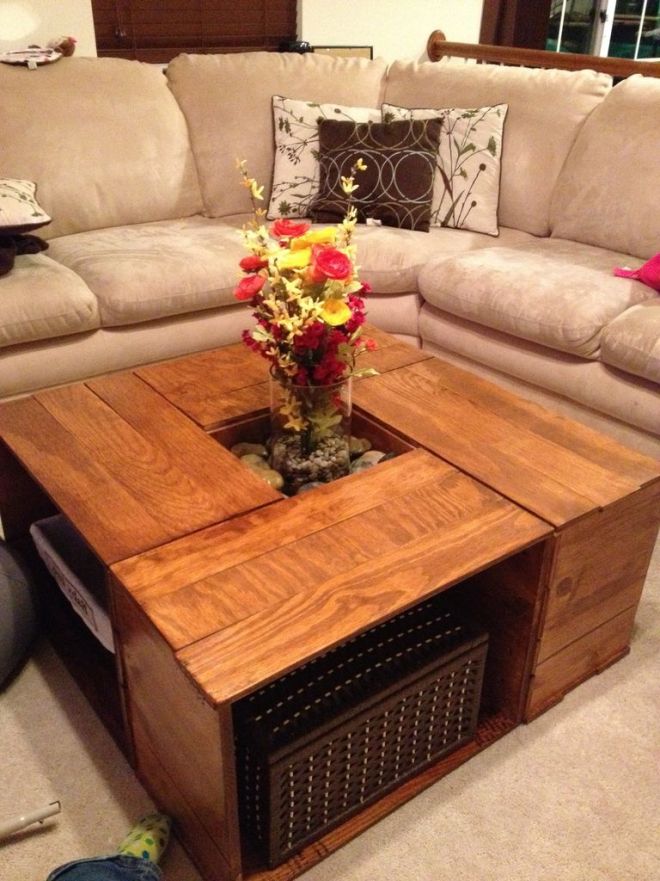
[{"x": 11, "y": 246}]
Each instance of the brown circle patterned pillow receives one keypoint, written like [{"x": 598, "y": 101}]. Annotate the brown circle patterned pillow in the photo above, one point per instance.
[{"x": 396, "y": 188}]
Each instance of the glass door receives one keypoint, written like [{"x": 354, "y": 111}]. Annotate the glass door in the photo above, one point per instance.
[
  {"x": 618, "y": 28},
  {"x": 635, "y": 29},
  {"x": 576, "y": 26}
]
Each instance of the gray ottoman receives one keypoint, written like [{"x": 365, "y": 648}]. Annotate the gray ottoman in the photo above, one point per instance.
[{"x": 18, "y": 618}]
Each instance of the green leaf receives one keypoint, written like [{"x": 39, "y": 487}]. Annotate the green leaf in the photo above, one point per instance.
[{"x": 492, "y": 146}]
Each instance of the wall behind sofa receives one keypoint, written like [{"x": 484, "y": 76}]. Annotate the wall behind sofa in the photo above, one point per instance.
[
  {"x": 23, "y": 22},
  {"x": 394, "y": 28}
]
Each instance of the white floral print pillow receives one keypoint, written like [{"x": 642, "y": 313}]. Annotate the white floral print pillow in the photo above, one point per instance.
[
  {"x": 296, "y": 170},
  {"x": 19, "y": 210},
  {"x": 467, "y": 179}
]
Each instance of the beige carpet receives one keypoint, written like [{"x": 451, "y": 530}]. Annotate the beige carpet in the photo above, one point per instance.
[{"x": 575, "y": 796}]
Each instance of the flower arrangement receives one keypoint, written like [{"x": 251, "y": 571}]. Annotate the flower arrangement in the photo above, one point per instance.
[{"x": 307, "y": 303}]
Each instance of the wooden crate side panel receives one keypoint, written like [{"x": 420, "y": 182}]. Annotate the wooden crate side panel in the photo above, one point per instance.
[
  {"x": 200, "y": 845},
  {"x": 506, "y": 599},
  {"x": 599, "y": 570},
  {"x": 189, "y": 738},
  {"x": 583, "y": 658}
]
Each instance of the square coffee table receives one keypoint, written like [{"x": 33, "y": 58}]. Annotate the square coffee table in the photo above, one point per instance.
[{"x": 217, "y": 585}]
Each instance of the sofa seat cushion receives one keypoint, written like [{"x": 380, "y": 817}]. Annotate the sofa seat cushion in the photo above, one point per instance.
[
  {"x": 553, "y": 292},
  {"x": 152, "y": 270},
  {"x": 391, "y": 259},
  {"x": 632, "y": 341},
  {"x": 40, "y": 299}
]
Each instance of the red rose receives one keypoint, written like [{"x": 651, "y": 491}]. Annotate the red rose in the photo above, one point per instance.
[
  {"x": 252, "y": 263},
  {"x": 248, "y": 286},
  {"x": 288, "y": 229},
  {"x": 330, "y": 263}
]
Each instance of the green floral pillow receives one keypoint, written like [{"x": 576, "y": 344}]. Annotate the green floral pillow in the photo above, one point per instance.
[
  {"x": 296, "y": 170},
  {"x": 467, "y": 179},
  {"x": 19, "y": 210}
]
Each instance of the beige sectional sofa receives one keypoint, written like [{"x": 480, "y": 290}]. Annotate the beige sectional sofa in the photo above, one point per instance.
[{"x": 136, "y": 167}]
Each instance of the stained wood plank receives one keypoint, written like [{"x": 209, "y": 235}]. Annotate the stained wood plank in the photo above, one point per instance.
[
  {"x": 547, "y": 478},
  {"x": 391, "y": 357},
  {"x": 113, "y": 521},
  {"x": 231, "y": 662},
  {"x": 218, "y": 548},
  {"x": 198, "y": 384},
  {"x": 600, "y": 567},
  {"x": 196, "y": 754},
  {"x": 182, "y": 479},
  {"x": 221, "y": 385},
  {"x": 589, "y": 444},
  {"x": 590, "y": 654},
  {"x": 220, "y": 489},
  {"x": 346, "y": 547}
]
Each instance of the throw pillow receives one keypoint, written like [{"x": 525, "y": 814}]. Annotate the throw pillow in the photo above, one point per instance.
[
  {"x": 19, "y": 210},
  {"x": 397, "y": 186},
  {"x": 296, "y": 169},
  {"x": 467, "y": 183}
]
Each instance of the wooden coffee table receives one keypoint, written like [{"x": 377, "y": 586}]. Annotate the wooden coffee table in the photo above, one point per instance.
[{"x": 541, "y": 528}]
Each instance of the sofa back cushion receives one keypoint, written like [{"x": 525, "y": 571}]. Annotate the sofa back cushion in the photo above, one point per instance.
[
  {"x": 607, "y": 193},
  {"x": 546, "y": 110},
  {"x": 227, "y": 100},
  {"x": 103, "y": 139}
]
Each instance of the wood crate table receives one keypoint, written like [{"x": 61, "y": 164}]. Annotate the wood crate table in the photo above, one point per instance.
[{"x": 538, "y": 528}]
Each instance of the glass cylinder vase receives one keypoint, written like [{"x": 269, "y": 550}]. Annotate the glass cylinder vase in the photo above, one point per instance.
[{"x": 310, "y": 430}]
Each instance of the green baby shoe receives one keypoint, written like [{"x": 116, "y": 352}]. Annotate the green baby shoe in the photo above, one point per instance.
[{"x": 148, "y": 838}]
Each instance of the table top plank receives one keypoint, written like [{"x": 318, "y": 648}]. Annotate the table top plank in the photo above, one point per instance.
[
  {"x": 546, "y": 477},
  {"x": 161, "y": 477},
  {"x": 220, "y": 486},
  {"x": 108, "y": 514},
  {"x": 223, "y": 385},
  {"x": 220, "y": 600},
  {"x": 592, "y": 445},
  {"x": 210, "y": 552},
  {"x": 231, "y": 662}
]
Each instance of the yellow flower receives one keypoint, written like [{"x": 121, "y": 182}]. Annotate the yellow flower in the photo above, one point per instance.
[
  {"x": 256, "y": 190},
  {"x": 325, "y": 236},
  {"x": 335, "y": 312},
  {"x": 294, "y": 259},
  {"x": 348, "y": 185},
  {"x": 360, "y": 164}
]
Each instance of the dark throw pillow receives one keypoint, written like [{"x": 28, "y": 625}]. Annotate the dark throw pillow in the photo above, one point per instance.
[{"x": 397, "y": 186}]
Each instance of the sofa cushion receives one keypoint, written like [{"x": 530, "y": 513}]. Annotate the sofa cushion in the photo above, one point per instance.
[
  {"x": 395, "y": 185},
  {"x": 607, "y": 193},
  {"x": 39, "y": 299},
  {"x": 390, "y": 259},
  {"x": 632, "y": 341},
  {"x": 227, "y": 100},
  {"x": 103, "y": 139},
  {"x": 148, "y": 271},
  {"x": 557, "y": 293},
  {"x": 296, "y": 173},
  {"x": 468, "y": 166},
  {"x": 546, "y": 110}
]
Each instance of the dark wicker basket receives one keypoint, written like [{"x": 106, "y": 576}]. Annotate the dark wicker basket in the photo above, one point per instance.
[{"x": 322, "y": 742}]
